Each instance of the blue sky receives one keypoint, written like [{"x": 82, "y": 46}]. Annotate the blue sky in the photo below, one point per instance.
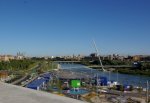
[{"x": 66, "y": 27}]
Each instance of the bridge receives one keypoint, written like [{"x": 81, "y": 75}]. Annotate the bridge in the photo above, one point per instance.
[
  {"x": 67, "y": 61},
  {"x": 96, "y": 66},
  {"x": 111, "y": 66}
]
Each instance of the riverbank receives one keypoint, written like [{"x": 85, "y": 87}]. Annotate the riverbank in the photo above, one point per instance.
[
  {"x": 123, "y": 67},
  {"x": 131, "y": 71},
  {"x": 134, "y": 72}
]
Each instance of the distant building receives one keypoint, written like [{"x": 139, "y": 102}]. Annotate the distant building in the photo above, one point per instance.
[
  {"x": 146, "y": 58},
  {"x": 20, "y": 56},
  {"x": 52, "y": 57},
  {"x": 137, "y": 58},
  {"x": 113, "y": 57},
  {"x": 141, "y": 58},
  {"x": 3, "y": 75},
  {"x": 128, "y": 58},
  {"x": 93, "y": 55},
  {"x": 110, "y": 57},
  {"x": 6, "y": 57}
]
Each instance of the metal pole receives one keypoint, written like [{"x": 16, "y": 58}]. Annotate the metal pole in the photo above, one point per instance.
[
  {"x": 109, "y": 76},
  {"x": 97, "y": 86},
  {"x": 52, "y": 65},
  {"x": 117, "y": 76},
  {"x": 147, "y": 98}
]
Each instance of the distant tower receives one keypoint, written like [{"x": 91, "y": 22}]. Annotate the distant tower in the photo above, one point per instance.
[{"x": 20, "y": 56}]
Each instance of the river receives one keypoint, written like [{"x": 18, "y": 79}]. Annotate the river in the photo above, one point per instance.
[{"x": 128, "y": 79}]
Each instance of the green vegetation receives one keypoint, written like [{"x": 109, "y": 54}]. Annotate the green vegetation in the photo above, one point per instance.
[
  {"x": 134, "y": 71},
  {"x": 18, "y": 68},
  {"x": 26, "y": 68},
  {"x": 27, "y": 65},
  {"x": 47, "y": 66},
  {"x": 145, "y": 66},
  {"x": 16, "y": 65},
  {"x": 144, "y": 69},
  {"x": 113, "y": 62}
]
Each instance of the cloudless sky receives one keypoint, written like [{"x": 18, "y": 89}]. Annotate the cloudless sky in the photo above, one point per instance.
[{"x": 66, "y": 27}]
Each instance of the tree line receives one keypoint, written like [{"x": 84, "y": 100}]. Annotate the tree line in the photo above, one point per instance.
[{"x": 16, "y": 65}]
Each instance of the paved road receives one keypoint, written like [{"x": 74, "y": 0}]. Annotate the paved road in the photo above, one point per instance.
[{"x": 25, "y": 77}]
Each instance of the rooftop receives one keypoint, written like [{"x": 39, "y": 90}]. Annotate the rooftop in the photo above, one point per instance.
[{"x": 15, "y": 94}]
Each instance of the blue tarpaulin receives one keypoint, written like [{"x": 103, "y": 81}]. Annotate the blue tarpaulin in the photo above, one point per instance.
[
  {"x": 36, "y": 83},
  {"x": 46, "y": 76},
  {"x": 39, "y": 81}
]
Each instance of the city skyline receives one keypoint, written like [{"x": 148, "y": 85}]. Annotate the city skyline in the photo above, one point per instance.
[{"x": 65, "y": 27}]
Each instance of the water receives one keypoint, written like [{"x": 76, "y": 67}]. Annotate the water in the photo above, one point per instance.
[
  {"x": 77, "y": 92},
  {"x": 135, "y": 80}
]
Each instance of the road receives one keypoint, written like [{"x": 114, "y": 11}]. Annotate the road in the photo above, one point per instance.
[{"x": 26, "y": 76}]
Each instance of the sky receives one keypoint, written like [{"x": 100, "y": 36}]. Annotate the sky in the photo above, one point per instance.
[{"x": 66, "y": 27}]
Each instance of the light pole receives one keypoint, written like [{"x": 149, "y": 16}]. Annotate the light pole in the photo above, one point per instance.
[
  {"x": 109, "y": 76},
  {"x": 117, "y": 76},
  {"x": 147, "y": 94}
]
